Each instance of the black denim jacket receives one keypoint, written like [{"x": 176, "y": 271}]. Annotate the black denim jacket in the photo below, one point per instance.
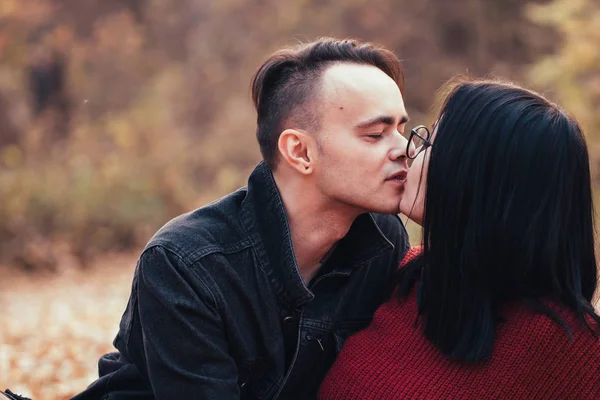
[{"x": 218, "y": 302}]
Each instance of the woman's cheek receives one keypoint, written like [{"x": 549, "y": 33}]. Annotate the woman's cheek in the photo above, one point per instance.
[{"x": 412, "y": 202}]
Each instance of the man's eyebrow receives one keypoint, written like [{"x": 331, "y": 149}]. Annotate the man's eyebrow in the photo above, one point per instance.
[{"x": 382, "y": 119}]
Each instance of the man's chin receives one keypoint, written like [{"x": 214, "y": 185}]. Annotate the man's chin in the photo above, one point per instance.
[{"x": 384, "y": 206}]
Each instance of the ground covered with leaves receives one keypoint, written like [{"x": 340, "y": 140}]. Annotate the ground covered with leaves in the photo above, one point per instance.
[{"x": 54, "y": 327}]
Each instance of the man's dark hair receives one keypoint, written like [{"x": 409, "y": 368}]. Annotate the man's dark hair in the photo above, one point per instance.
[
  {"x": 508, "y": 218},
  {"x": 286, "y": 84}
]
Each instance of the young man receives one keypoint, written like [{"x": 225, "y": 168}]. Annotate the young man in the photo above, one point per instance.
[{"x": 252, "y": 296}]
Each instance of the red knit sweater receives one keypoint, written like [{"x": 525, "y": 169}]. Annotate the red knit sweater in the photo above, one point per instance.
[{"x": 532, "y": 359}]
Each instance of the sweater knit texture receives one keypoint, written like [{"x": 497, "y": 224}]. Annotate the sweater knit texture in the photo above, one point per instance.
[{"x": 533, "y": 358}]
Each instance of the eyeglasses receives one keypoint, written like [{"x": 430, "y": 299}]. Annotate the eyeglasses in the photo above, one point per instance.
[{"x": 418, "y": 141}]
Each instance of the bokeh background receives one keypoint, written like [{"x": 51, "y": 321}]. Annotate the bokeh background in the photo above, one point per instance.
[{"x": 117, "y": 115}]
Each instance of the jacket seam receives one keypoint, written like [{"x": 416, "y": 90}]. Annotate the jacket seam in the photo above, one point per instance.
[
  {"x": 193, "y": 270},
  {"x": 195, "y": 256}
]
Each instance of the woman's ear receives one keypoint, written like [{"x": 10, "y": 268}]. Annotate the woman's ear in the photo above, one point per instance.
[{"x": 297, "y": 149}]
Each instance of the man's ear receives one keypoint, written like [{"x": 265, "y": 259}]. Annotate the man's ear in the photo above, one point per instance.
[{"x": 298, "y": 149}]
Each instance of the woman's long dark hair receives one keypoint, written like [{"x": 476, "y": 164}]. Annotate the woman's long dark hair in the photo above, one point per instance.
[{"x": 508, "y": 217}]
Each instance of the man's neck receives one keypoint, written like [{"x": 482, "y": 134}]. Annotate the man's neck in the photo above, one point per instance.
[{"x": 316, "y": 224}]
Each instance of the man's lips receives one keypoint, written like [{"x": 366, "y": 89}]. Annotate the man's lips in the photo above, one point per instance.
[{"x": 398, "y": 176}]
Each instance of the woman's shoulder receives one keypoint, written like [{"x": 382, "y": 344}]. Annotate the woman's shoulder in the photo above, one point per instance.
[
  {"x": 558, "y": 330},
  {"x": 411, "y": 254}
]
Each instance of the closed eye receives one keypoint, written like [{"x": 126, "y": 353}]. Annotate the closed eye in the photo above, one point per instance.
[{"x": 375, "y": 135}]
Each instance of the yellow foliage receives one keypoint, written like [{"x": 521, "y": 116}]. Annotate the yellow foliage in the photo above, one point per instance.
[
  {"x": 160, "y": 119},
  {"x": 573, "y": 71}
]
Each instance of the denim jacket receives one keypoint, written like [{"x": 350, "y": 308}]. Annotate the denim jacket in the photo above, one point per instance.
[{"x": 218, "y": 309}]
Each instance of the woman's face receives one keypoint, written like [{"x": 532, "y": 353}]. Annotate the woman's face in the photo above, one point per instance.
[{"x": 413, "y": 202}]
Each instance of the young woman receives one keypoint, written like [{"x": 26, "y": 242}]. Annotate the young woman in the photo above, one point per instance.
[{"x": 497, "y": 301}]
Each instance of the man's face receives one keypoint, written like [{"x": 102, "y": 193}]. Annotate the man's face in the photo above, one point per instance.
[{"x": 361, "y": 160}]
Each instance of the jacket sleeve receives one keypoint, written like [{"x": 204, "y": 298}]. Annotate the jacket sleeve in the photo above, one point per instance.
[{"x": 185, "y": 350}]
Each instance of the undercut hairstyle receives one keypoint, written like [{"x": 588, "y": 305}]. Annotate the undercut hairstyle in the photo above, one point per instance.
[
  {"x": 285, "y": 89},
  {"x": 508, "y": 218}
]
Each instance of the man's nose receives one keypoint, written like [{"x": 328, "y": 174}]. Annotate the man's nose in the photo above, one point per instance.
[{"x": 400, "y": 147}]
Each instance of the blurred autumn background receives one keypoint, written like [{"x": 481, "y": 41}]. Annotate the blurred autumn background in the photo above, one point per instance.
[{"x": 117, "y": 115}]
